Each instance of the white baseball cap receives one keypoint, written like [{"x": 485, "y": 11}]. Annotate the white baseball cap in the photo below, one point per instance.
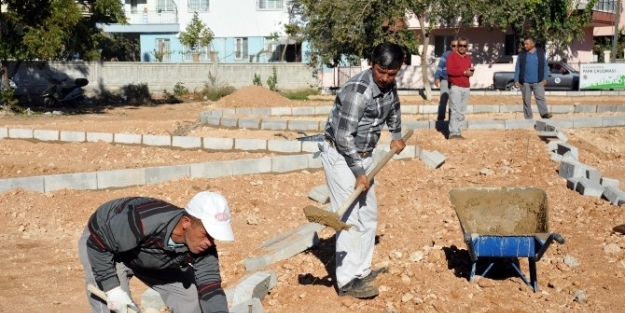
[{"x": 212, "y": 209}]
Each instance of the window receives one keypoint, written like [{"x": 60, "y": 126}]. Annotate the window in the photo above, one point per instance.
[
  {"x": 442, "y": 44},
  {"x": 240, "y": 48},
  {"x": 163, "y": 49},
  {"x": 197, "y": 5},
  {"x": 165, "y": 6},
  {"x": 187, "y": 55},
  {"x": 269, "y": 4},
  {"x": 133, "y": 7},
  {"x": 511, "y": 45}
]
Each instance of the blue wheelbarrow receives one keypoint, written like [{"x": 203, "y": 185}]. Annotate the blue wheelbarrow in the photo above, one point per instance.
[{"x": 508, "y": 222}]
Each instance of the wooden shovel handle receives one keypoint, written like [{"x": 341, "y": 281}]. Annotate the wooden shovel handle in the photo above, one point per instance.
[
  {"x": 389, "y": 155},
  {"x": 102, "y": 295}
]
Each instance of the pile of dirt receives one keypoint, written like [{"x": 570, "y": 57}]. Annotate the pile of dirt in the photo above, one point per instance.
[{"x": 254, "y": 96}]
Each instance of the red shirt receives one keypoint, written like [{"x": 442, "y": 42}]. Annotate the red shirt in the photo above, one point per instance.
[{"x": 456, "y": 65}]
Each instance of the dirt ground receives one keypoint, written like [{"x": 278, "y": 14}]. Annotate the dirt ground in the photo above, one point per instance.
[{"x": 420, "y": 239}]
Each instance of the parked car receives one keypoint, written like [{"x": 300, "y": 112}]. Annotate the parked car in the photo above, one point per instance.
[{"x": 561, "y": 76}]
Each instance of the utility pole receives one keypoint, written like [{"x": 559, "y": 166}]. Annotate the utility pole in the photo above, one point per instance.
[{"x": 617, "y": 31}]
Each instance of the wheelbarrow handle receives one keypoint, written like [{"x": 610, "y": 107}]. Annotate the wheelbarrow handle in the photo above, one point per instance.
[{"x": 558, "y": 238}]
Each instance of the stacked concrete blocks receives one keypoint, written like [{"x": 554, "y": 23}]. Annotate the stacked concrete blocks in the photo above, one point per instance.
[
  {"x": 320, "y": 194},
  {"x": 255, "y": 285},
  {"x": 432, "y": 159}
]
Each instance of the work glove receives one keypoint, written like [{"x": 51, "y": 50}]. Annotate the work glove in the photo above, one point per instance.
[{"x": 119, "y": 301}]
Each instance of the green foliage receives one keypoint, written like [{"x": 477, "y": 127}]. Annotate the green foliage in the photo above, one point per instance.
[
  {"x": 137, "y": 94},
  {"x": 272, "y": 81},
  {"x": 605, "y": 43},
  {"x": 300, "y": 94},
  {"x": 180, "y": 90},
  {"x": 214, "y": 91},
  {"x": 119, "y": 47},
  {"x": 8, "y": 99},
  {"x": 256, "y": 81},
  {"x": 197, "y": 34}
]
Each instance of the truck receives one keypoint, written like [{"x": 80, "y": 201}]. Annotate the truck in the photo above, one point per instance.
[{"x": 561, "y": 76}]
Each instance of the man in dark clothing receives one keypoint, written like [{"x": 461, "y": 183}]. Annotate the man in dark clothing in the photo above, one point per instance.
[
  {"x": 530, "y": 75},
  {"x": 170, "y": 249}
]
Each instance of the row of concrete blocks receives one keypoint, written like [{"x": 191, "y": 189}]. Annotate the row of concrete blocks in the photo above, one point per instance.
[
  {"x": 580, "y": 177},
  {"x": 243, "y": 297},
  {"x": 491, "y": 92},
  {"x": 319, "y": 125}
]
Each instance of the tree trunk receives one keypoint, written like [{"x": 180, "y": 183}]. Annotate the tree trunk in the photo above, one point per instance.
[
  {"x": 425, "y": 41},
  {"x": 286, "y": 44}
]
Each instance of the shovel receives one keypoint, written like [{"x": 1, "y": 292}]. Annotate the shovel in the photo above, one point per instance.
[
  {"x": 102, "y": 295},
  {"x": 323, "y": 217}
]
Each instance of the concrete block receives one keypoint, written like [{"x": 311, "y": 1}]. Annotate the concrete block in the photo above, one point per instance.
[
  {"x": 4, "y": 132},
  {"x": 249, "y": 123},
  {"x": 555, "y": 157},
  {"x": 570, "y": 154},
  {"x": 323, "y": 110},
  {"x": 409, "y": 109},
  {"x": 518, "y": 124},
  {"x": 432, "y": 159},
  {"x": 511, "y": 108},
  {"x": 320, "y": 194},
  {"x": 469, "y": 109},
  {"x": 186, "y": 142},
  {"x": 610, "y": 182},
  {"x": 217, "y": 143},
  {"x": 76, "y": 181},
  {"x": 586, "y": 122},
  {"x": 243, "y": 111},
  {"x": 601, "y": 108},
  {"x": 250, "y": 144},
  {"x": 156, "y": 140},
  {"x": 285, "y": 146},
  {"x": 428, "y": 109},
  {"x": 543, "y": 126},
  {"x": 285, "y": 246},
  {"x": 610, "y": 121},
  {"x": 213, "y": 121},
  {"x": 132, "y": 139},
  {"x": 256, "y": 285},
  {"x": 585, "y": 108},
  {"x": 203, "y": 118},
  {"x": 211, "y": 169},
  {"x": 409, "y": 152},
  {"x": 589, "y": 188},
  {"x": 571, "y": 183},
  {"x": 159, "y": 174},
  {"x": 486, "y": 108},
  {"x": 564, "y": 148},
  {"x": 228, "y": 112},
  {"x": 304, "y": 125},
  {"x": 301, "y": 111},
  {"x": 314, "y": 161},
  {"x": 415, "y": 124},
  {"x": 593, "y": 174},
  {"x": 32, "y": 183},
  {"x": 120, "y": 178},
  {"x": 251, "y": 166},
  {"x": 72, "y": 136},
  {"x": 614, "y": 195},
  {"x": 273, "y": 124},
  {"x": 546, "y": 135},
  {"x": 289, "y": 163},
  {"x": 562, "y": 137},
  {"x": 95, "y": 137},
  {"x": 561, "y": 123},
  {"x": 620, "y": 108},
  {"x": 229, "y": 121},
  {"x": 571, "y": 168},
  {"x": 150, "y": 299},
  {"x": 485, "y": 124},
  {"x": 561, "y": 109},
  {"x": 252, "y": 305},
  {"x": 261, "y": 112},
  {"x": 281, "y": 111},
  {"x": 552, "y": 146},
  {"x": 310, "y": 146},
  {"x": 20, "y": 133},
  {"x": 46, "y": 135},
  {"x": 215, "y": 113}
]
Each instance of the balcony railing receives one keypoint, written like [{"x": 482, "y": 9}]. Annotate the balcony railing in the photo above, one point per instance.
[
  {"x": 152, "y": 17},
  {"x": 608, "y": 6}
]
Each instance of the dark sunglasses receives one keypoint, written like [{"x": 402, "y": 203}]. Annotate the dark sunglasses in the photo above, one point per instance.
[
  {"x": 462, "y": 46},
  {"x": 453, "y": 46}
]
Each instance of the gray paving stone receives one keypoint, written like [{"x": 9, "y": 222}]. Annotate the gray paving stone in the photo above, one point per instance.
[
  {"x": 255, "y": 285},
  {"x": 409, "y": 109},
  {"x": 555, "y": 157},
  {"x": 570, "y": 155},
  {"x": 546, "y": 135},
  {"x": 585, "y": 108},
  {"x": 609, "y": 121},
  {"x": 46, "y": 135},
  {"x": 213, "y": 121},
  {"x": 32, "y": 183},
  {"x": 589, "y": 188},
  {"x": 249, "y": 123},
  {"x": 243, "y": 111},
  {"x": 203, "y": 118},
  {"x": 432, "y": 159},
  {"x": 552, "y": 146},
  {"x": 593, "y": 174},
  {"x": 217, "y": 143},
  {"x": 428, "y": 109},
  {"x": 409, "y": 152},
  {"x": 127, "y": 138},
  {"x": 310, "y": 146},
  {"x": 215, "y": 113},
  {"x": 562, "y": 109},
  {"x": 251, "y": 166},
  {"x": 609, "y": 92},
  {"x": 273, "y": 124},
  {"x": 543, "y": 126},
  {"x": 562, "y": 137},
  {"x": 159, "y": 174},
  {"x": 97, "y": 136},
  {"x": 320, "y": 194},
  {"x": 4, "y": 132},
  {"x": 571, "y": 168},
  {"x": 211, "y": 169},
  {"x": 285, "y": 146},
  {"x": 20, "y": 133},
  {"x": 614, "y": 195},
  {"x": 587, "y": 122},
  {"x": 289, "y": 163},
  {"x": 484, "y": 124},
  {"x": 561, "y": 123},
  {"x": 301, "y": 111},
  {"x": 323, "y": 110},
  {"x": 485, "y": 108},
  {"x": 261, "y": 112},
  {"x": 229, "y": 121},
  {"x": 120, "y": 178},
  {"x": 253, "y": 305},
  {"x": 228, "y": 112},
  {"x": 314, "y": 161},
  {"x": 156, "y": 140},
  {"x": 511, "y": 108},
  {"x": 620, "y": 108},
  {"x": 518, "y": 124},
  {"x": 72, "y": 136},
  {"x": 610, "y": 182},
  {"x": 571, "y": 183},
  {"x": 564, "y": 148},
  {"x": 186, "y": 142},
  {"x": 76, "y": 181},
  {"x": 281, "y": 111},
  {"x": 601, "y": 108},
  {"x": 304, "y": 125},
  {"x": 415, "y": 124},
  {"x": 250, "y": 144}
]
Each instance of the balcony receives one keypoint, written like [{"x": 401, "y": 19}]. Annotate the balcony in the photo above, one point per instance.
[
  {"x": 602, "y": 14},
  {"x": 147, "y": 21},
  {"x": 152, "y": 17}
]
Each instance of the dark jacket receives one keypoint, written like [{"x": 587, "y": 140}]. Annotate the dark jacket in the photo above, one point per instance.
[{"x": 541, "y": 65}]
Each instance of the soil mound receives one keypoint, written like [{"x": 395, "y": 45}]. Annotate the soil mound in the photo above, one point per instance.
[{"x": 254, "y": 96}]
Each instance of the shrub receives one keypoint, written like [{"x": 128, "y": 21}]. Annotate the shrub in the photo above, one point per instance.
[
  {"x": 272, "y": 81},
  {"x": 137, "y": 94},
  {"x": 300, "y": 94},
  {"x": 256, "y": 81},
  {"x": 180, "y": 90}
]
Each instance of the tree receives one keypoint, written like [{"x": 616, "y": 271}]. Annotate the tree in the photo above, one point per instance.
[{"x": 196, "y": 35}]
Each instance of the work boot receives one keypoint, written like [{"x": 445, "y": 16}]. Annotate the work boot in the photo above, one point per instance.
[
  {"x": 459, "y": 137},
  {"x": 359, "y": 289},
  {"x": 374, "y": 274},
  {"x": 546, "y": 115}
]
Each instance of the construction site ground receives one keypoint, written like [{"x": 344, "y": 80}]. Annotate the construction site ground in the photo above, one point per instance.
[{"x": 419, "y": 237}]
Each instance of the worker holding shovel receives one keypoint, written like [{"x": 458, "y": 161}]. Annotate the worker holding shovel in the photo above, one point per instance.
[
  {"x": 361, "y": 108},
  {"x": 168, "y": 248}
]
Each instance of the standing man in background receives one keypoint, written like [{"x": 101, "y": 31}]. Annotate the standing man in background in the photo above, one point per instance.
[
  {"x": 530, "y": 75},
  {"x": 459, "y": 69},
  {"x": 441, "y": 81}
]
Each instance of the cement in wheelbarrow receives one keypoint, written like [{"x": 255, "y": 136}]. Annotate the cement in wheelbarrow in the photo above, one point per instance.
[{"x": 507, "y": 222}]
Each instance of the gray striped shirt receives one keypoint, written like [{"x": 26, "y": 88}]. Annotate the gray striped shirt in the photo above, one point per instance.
[{"x": 360, "y": 111}]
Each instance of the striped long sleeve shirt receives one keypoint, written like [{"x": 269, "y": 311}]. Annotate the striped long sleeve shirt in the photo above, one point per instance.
[{"x": 136, "y": 231}]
